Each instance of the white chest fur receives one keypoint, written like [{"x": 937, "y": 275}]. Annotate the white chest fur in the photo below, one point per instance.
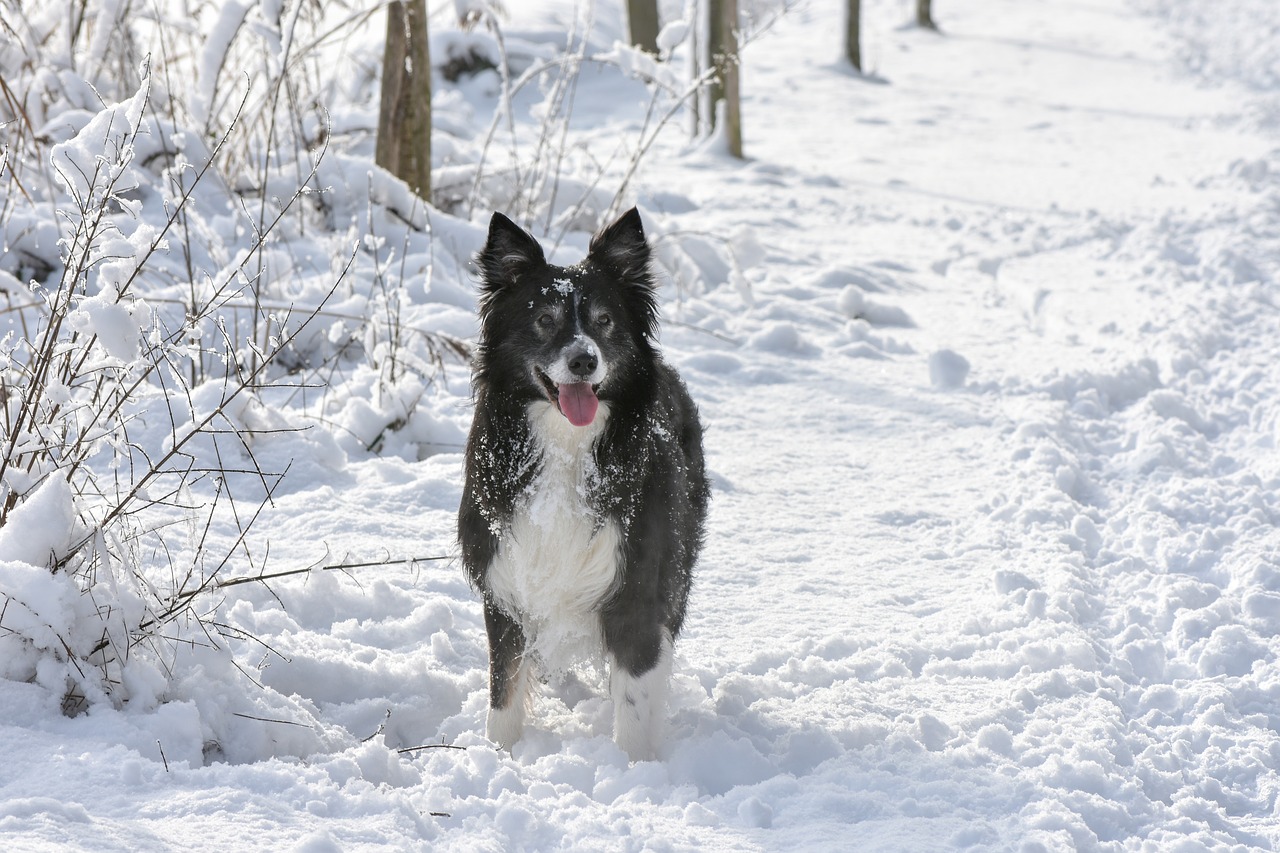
[{"x": 557, "y": 562}]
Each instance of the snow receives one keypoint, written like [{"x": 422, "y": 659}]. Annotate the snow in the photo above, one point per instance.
[
  {"x": 100, "y": 147},
  {"x": 947, "y": 368},
  {"x": 214, "y": 55},
  {"x": 985, "y": 348}
]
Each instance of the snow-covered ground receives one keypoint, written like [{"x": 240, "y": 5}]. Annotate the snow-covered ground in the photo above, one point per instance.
[{"x": 989, "y": 377}]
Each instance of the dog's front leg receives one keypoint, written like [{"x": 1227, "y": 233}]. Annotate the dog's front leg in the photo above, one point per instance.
[
  {"x": 508, "y": 677},
  {"x": 640, "y": 652}
]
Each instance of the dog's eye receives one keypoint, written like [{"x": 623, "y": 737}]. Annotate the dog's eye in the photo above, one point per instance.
[
  {"x": 546, "y": 320},
  {"x": 604, "y": 321}
]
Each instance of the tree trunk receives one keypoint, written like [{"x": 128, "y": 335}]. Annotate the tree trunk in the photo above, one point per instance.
[
  {"x": 852, "y": 39},
  {"x": 404, "y": 116},
  {"x": 695, "y": 74},
  {"x": 924, "y": 15},
  {"x": 722, "y": 47},
  {"x": 642, "y": 18}
]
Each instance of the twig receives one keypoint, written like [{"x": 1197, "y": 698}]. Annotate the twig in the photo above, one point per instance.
[
  {"x": 330, "y": 568},
  {"x": 406, "y": 750},
  {"x": 382, "y": 726},
  {"x": 270, "y": 720}
]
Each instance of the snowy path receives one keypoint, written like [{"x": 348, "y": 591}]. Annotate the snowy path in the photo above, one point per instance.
[
  {"x": 1046, "y": 599},
  {"x": 1035, "y": 612}
]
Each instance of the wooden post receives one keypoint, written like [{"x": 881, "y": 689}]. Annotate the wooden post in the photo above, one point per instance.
[
  {"x": 404, "y": 115},
  {"x": 924, "y": 15},
  {"x": 852, "y": 39},
  {"x": 642, "y": 20},
  {"x": 722, "y": 39}
]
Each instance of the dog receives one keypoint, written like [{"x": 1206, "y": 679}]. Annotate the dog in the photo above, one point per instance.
[{"x": 585, "y": 492}]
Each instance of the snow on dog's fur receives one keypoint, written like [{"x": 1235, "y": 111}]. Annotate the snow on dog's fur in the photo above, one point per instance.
[{"x": 585, "y": 494}]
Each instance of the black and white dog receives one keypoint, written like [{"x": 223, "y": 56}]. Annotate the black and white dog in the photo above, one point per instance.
[{"x": 585, "y": 494}]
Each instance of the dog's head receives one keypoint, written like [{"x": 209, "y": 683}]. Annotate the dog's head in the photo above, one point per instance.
[{"x": 574, "y": 335}]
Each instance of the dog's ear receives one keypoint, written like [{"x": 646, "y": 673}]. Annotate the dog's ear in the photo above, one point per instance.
[
  {"x": 622, "y": 249},
  {"x": 508, "y": 252}
]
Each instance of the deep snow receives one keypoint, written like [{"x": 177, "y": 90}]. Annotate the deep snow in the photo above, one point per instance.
[{"x": 993, "y": 563}]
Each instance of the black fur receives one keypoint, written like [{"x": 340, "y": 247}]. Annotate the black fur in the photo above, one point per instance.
[{"x": 648, "y": 472}]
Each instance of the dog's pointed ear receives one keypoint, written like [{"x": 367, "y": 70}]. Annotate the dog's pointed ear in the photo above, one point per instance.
[
  {"x": 622, "y": 249},
  {"x": 508, "y": 251}
]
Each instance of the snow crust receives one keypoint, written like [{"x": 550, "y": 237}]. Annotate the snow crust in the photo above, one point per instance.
[{"x": 993, "y": 415}]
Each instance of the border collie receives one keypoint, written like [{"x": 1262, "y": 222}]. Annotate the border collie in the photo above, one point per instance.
[{"x": 585, "y": 495}]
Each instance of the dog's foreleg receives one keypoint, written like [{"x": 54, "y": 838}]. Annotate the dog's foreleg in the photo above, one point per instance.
[
  {"x": 509, "y": 677},
  {"x": 640, "y": 697}
]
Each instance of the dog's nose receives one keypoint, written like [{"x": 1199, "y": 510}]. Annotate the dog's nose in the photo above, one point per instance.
[{"x": 583, "y": 364}]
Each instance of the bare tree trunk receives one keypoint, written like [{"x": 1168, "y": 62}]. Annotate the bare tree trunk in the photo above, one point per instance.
[
  {"x": 642, "y": 18},
  {"x": 722, "y": 41},
  {"x": 695, "y": 72},
  {"x": 924, "y": 15},
  {"x": 852, "y": 37},
  {"x": 404, "y": 116}
]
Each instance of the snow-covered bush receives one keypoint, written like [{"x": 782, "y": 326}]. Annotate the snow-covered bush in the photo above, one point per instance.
[
  {"x": 122, "y": 443},
  {"x": 155, "y": 302},
  {"x": 201, "y": 263}
]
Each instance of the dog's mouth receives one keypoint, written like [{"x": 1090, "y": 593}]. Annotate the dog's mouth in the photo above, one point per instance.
[{"x": 577, "y": 401}]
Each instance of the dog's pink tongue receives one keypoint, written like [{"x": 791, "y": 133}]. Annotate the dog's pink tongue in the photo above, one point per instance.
[{"x": 578, "y": 403}]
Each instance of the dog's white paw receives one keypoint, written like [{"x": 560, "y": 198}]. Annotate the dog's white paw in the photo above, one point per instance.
[
  {"x": 640, "y": 706},
  {"x": 505, "y": 725}
]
